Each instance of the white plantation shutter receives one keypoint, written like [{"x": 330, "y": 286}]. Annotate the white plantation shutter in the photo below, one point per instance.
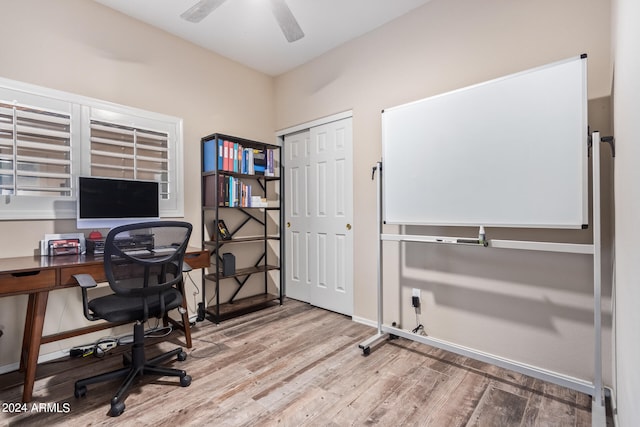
[
  {"x": 127, "y": 152},
  {"x": 35, "y": 151},
  {"x": 49, "y": 138}
]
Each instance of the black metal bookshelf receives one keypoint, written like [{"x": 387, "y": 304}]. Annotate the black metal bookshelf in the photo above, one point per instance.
[{"x": 232, "y": 182}]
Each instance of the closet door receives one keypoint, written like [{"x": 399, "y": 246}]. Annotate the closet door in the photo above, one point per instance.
[
  {"x": 297, "y": 215},
  {"x": 319, "y": 216}
]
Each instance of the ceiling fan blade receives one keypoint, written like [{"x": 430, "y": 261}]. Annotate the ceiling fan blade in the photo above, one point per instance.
[
  {"x": 287, "y": 21},
  {"x": 201, "y": 10}
]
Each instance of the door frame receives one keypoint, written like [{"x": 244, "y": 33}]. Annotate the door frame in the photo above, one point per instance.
[
  {"x": 280, "y": 136},
  {"x": 313, "y": 123}
]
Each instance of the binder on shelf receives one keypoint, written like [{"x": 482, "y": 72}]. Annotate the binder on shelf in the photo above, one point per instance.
[
  {"x": 220, "y": 154},
  {"x": 244, "y": 164},
  {"x": 227, "y": 156},
  {"x": 209, "y": 156},
  {"x": 234, "y": 164}
]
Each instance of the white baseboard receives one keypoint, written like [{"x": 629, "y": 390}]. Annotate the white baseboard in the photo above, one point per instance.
[
  {"x": 54, "y": 355},
  {"x": 42, "y": 359},
  {"x": 364, "y": 321}
]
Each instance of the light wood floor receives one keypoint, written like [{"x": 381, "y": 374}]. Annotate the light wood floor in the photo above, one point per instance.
[{"x": 295, "y": 365}]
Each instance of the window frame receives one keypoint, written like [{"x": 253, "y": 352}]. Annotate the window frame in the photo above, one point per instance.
[{"x": 82, "y": 110}]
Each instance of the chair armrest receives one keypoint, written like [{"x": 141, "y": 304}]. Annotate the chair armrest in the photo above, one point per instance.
[
  {"x": 85, "y": 280},
  {"x": 186, "y": 267}
]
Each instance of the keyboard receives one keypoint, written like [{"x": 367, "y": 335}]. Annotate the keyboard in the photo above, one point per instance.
[
  {"x": 154, "y": 251},
  {"x": 138, "y": 252},
  {"x": 163, "y": 250}
]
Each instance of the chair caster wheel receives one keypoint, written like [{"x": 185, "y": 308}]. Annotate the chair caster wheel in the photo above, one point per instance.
[
  {"x": 117, "y": 409},
  {"x": 185, "y": 381},
  {"x": 80, "y": 392},
  {"x": 182, "y": 356}
]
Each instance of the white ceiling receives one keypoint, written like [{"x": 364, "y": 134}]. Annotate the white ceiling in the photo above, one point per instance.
[{"x": 247, "y": 32}]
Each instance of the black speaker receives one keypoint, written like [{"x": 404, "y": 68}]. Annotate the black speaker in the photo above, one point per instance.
[{"x": 228, "y": 264}]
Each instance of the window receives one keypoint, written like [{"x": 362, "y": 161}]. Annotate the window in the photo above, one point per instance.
[
  {"x": 128, "y": 152},
  {"x": 35, "y": 151},
  {"x": 49, "y": 138}
]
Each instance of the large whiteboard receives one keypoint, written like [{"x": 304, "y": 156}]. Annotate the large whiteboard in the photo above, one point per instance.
[{"x": 510, "y": 152}]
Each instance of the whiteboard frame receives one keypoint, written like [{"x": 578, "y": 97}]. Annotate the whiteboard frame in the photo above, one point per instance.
[
  {"x": 418, "y": 188},
  {"x": 595, "y": 388}
]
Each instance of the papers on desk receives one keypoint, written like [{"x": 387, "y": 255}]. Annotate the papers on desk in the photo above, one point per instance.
[{"x": 44, "y": 243}]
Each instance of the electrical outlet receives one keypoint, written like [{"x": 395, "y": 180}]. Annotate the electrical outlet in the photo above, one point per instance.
[{"x": 415, "y": 298}]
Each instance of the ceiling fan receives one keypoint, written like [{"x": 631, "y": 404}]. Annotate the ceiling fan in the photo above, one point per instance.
[{"x": 281, "y": 12}]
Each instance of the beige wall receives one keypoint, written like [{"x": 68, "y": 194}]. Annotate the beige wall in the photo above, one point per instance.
[
  {"x": 535, "y": 308},
  {"x": 78, "y": 46},
  {"x": 81, "y": 47},
  {"x": 627, "y": 176}
]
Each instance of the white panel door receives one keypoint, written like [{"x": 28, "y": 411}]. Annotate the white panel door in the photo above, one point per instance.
[
  {"x": 297, "y": 215},
  {"x": 319, "y": 217}
]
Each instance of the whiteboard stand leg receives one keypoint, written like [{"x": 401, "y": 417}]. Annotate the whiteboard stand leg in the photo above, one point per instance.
[
  {"x": 598, "y": 413},
  {"x": 366, "y": 345}
]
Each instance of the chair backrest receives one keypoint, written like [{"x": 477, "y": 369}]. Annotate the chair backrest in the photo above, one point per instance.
[{"x": 145, "y": 259}]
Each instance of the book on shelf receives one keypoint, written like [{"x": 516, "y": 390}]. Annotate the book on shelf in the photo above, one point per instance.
[
  {"x": 258, "y": 202},
  {"x": 233, "y": 193},
  {"x": 259, "y": 161},
  {"x": 270, "y": 166},
  {"x": 227, "y": 156},
  {"x": 210, "y": 191}
]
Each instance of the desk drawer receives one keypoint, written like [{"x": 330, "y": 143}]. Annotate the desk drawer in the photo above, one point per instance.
[
  {"x": 194, "y": 259},
  {"x": 27, "y": 281},
  {"x": 198, "y": 259},
  {"x": 95, "y": 270}
]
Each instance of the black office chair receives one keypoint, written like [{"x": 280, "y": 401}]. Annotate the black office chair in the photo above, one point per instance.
[{"x": 143, "y": 264}]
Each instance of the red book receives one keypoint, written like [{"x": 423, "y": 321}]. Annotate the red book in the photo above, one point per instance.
[{"x": 228, "y": 146}]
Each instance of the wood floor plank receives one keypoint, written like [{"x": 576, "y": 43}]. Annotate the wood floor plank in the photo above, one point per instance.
[
  {"x": 498, "y": 408},
  {"x": 296, "y": 365},
  {"x": 457, "y": 400},
  {"x": 411, "y": 394}
]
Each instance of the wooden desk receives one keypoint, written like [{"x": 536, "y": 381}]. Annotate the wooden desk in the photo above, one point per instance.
[{"x": 36, "y": 276}]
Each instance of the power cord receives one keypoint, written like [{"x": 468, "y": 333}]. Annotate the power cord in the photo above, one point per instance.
[
  {"x": 105, "y": 344},
  {"x": 195, "y": 293},
  {"x": 97, "y": 349},
  {"x": 420, "y": 328}
]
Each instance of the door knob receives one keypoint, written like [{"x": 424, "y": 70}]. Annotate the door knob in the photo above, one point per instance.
[
  {"x": 348, "y": 226},
  {"x": 288, "y": 225}
]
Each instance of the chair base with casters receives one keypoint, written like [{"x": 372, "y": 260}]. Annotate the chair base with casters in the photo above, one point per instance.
[
  {"x": 137, "y": 366},
  {"x": 147, "y": 282}
]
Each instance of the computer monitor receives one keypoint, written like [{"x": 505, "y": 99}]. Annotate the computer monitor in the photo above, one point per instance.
[{"x": 110, "y": 202}]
